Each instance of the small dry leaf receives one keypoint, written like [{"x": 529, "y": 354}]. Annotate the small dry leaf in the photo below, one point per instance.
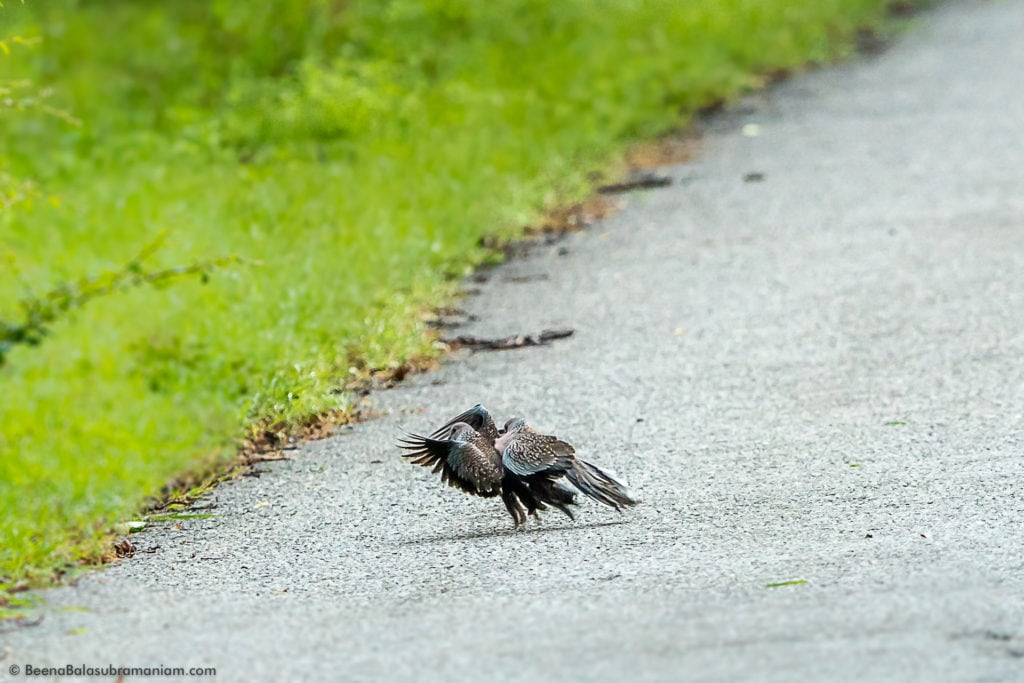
[{"x": 124, "y": 548}]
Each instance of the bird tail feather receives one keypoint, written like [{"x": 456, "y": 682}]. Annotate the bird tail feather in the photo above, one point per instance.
[{"x": 594, "y": 482}]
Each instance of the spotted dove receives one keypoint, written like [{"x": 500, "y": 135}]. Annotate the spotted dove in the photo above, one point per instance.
[{"x": 526, "y": 467}]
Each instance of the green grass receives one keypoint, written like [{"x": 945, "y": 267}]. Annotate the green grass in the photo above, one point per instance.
[
  {"x": 177, "y": 516},
  {"x": 358, "y": 151}
]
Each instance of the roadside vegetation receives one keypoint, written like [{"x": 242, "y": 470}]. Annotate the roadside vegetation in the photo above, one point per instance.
[{"x": 273, "y": 194}]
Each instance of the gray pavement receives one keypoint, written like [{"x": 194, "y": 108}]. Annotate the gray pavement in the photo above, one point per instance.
[{"x": 816, "y": 377}]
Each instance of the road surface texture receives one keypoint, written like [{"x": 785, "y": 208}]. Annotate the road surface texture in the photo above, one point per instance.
[{"x": 814, "y": 377}]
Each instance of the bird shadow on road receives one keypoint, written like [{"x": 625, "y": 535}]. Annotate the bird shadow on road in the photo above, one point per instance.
[{"x": 508, "y": 533}]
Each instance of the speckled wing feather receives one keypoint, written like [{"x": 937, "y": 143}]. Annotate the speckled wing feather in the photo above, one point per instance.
[
  {"x": 525, "y": 452},
  {"x": 476, "y": 417},
  {"x": 471, "y": 464}
]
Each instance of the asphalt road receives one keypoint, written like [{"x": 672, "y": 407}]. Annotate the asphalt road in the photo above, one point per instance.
[{"x": 813, "y": 377}]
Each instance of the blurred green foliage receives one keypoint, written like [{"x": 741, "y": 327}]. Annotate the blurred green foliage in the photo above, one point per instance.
[{"x": 359, "y": 149}]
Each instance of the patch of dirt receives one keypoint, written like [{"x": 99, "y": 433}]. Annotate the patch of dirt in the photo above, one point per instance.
[{"x": 679, "y": 147}]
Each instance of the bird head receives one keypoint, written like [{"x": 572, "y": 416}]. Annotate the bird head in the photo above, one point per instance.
[
  {"x": 460, "y": 431},
  {"x": 515, "y": 424}
]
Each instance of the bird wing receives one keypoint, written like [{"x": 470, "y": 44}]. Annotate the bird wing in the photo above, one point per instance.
[
  {"x": 476, "y": 417},
  {"x": 527, "y": 452},
  {"x": 473, "y": 466}
]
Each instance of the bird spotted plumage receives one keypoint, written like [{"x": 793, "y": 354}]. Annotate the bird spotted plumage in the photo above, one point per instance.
[
  {"x": 465, "y": 459},
  {"x": 528, "y": 469}
]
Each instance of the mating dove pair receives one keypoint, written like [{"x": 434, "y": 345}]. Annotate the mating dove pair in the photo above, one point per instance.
[{"x": 526, "y": 468}]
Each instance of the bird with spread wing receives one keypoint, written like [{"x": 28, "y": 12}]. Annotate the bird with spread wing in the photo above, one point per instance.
[{"x": 529, "y": 470}]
